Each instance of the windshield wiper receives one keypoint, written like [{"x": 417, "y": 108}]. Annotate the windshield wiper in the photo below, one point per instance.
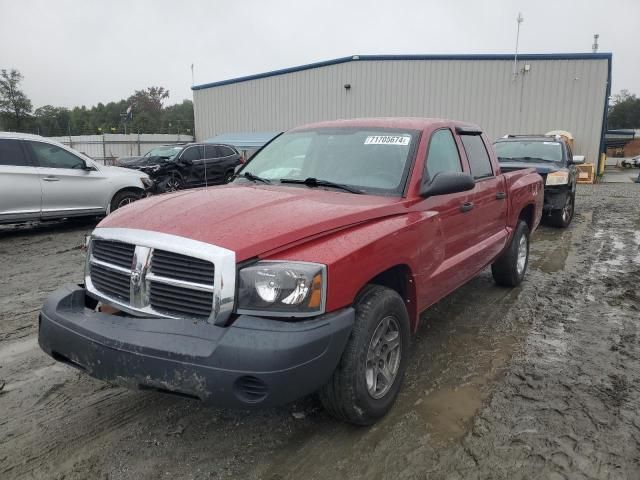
[
  {"x": 254, "y": 178},
  {"x": 315, "y": 182},
  {"x": 526, "y": 159}
]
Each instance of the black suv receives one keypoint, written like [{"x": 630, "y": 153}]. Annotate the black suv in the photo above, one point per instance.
[
  {"x": 551, "y": 156},
  {"x": 173, "y": 167}
]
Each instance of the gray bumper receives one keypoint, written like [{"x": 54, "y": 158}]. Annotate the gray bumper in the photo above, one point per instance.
[
  {"x": 555, "y": 197},
  {"x": 253, "y": 362}
]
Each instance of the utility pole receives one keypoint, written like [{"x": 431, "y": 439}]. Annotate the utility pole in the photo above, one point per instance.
[
  {"x": 595, "y": 43},
  {"x": 519, "y": 20}
]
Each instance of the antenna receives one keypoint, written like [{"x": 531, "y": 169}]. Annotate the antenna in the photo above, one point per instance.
[
  {"x": 595, "y": 43},
  {"x": 519, "y": 19}
]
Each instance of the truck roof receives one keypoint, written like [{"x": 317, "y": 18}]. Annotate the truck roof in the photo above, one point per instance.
[{"x": 410, "y": 123}]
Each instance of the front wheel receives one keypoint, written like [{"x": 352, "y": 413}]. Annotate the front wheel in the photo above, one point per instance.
[
  {"x": 367, "y": 380},
  {"x": 123, "y": 198},
  {"x": 170, "y": 184},
  {"x": 509, "y": 269}
]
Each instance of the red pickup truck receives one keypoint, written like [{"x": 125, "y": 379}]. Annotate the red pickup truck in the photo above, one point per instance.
[{"x": 307, "y": 273}]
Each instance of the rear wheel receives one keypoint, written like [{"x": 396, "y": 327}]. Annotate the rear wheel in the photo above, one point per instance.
[
  {"x": 228, "y": 176},
  {"x": 366, "y": 382},
  {"x": 561, "y": 218},
  {"x": 123, "y": 198},
  {"x": 509, "y": 269}
]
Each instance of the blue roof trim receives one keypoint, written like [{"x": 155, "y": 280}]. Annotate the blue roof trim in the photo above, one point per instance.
[{"x": 356, "y": 58}]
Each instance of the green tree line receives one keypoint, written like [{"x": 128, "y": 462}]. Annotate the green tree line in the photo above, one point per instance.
[
  {"x": 625, "y": 111},
  {"x": 148, "y": 113}
]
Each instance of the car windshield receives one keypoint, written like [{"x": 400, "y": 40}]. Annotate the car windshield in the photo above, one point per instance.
[
  {"x": 525, "y": 150},
  {"x": 373, "y": 161},
  {"x": 168, "y": 152}
]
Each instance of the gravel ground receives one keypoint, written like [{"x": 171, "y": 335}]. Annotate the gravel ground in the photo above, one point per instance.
[{"x": 542, "y": 381}]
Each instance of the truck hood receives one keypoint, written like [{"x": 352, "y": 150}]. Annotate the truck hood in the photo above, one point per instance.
[
  {"x": 253, "y": 219},
  {"x": 541, "y": 167}
]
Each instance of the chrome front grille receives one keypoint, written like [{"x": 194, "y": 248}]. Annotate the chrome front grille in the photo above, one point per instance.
[
  {"x": 114, "y": 283},
  {"x": 154, "y": 274},
  {"x": 116, "y": 253},
  {"x": 182, "y": 267},
  {"x": 180, "y": 301}
]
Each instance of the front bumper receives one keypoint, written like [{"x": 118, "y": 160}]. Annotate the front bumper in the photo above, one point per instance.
[
  {"x": 254, "y": 362},
  {"x": 555, "y": 197}
]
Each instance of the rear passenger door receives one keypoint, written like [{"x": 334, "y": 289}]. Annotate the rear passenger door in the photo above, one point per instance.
[
  {"x": 489, "y": 199},
  {"x": 215, "y": 164},
  {"x": 20, "y": 193}
]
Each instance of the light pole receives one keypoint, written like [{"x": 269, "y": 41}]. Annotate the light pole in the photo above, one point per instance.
[{"x": 519, "y": 20}]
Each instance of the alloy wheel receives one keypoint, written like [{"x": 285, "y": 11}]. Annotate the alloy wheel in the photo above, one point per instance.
[{"x": 383, "y": 357}]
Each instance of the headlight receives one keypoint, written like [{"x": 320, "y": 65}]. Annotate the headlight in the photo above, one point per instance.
[
  {"x": 557, "y": 178},
  {"x": 150, "y": 168},
  {"x": 282, "y": 289},
  {"x": 147, "y": 182}
]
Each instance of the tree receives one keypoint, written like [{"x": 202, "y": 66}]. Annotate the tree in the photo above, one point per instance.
[
  {"x": 14, "y": 104},
  {"x": 625, "y": 112}
]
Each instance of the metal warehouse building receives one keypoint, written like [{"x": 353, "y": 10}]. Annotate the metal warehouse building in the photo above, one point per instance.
[{"x": 548, "y": 92}]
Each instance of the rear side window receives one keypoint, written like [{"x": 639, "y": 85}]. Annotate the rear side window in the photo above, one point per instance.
[
  {"x": 226, "y": 151},
  {"x": 11, "y": 153},
  {"x": 52, "y": 156},
  {"x": 210, "y": 151},
  {"x": 477, "y": 155},
  {"x": 443, "y": 154}
]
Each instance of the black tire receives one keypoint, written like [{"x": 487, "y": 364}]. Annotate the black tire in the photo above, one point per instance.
[
  {"x": 228, "y": 176},
  {"x": 561, "y": 218},
  {"x": 347, "y": 395},
  {"x": 172, "y": 183},
  {"x": 505, "y": 269},
  {"x": 123, "y": 198}
]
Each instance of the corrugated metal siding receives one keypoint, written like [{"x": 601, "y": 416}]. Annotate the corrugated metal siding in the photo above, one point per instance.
[{"x": 554, "y": 94}]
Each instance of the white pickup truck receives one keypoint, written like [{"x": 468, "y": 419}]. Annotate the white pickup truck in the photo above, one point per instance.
[{"x": 41, "y": 179}]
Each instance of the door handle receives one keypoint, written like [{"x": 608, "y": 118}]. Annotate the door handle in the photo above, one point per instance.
[
  {"x": 501, "y": 196},
  {"x": 466, "y": 207},
  {"x": 51, "y": 179}
]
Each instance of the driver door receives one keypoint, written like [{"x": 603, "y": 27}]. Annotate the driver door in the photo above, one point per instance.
[{"x": 67, "y": 188}]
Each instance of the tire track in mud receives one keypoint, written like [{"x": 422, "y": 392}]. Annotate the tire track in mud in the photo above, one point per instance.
[{"x": 569, "y": 405}]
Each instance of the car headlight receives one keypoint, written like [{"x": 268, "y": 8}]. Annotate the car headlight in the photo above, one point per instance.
[
  {"x": 147, "y": 182},
  {"x": 557, "y": 178},
  {"x": 150, "y": 168},
  {"x": 282, "y": 289}
]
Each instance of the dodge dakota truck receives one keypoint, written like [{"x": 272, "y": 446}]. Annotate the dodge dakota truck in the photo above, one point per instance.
[{"x": 307, "y": 273}]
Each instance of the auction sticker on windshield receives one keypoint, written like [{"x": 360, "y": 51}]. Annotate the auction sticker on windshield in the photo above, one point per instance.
[{"x": 387, "y": 140}]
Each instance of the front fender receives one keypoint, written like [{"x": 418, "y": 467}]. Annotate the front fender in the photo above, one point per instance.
[{"x": 357, "y": 255}]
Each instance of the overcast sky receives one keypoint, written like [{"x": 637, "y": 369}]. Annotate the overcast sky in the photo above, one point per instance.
[{"x": 84, "y": 52}]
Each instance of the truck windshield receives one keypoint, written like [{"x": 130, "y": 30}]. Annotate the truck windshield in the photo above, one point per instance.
[
  {"x": 526, "y": 150},
  {"x": 372, "y": 161}
]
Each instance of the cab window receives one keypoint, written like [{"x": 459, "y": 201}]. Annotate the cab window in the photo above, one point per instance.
[
  {"x": 477, "y": 155},
  {"x": 443, "y": 154}
]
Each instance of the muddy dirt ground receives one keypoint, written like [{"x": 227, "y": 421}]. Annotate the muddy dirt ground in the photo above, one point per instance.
[{"x": 538, "y": 382}]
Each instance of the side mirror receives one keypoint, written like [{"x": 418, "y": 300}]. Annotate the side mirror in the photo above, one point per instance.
[
  {"x": 186, "y": 161},
  {"x": 447, "y": 182},
  {"x": 577, "y": 159},
  {"x": 87, "y": 167}
]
